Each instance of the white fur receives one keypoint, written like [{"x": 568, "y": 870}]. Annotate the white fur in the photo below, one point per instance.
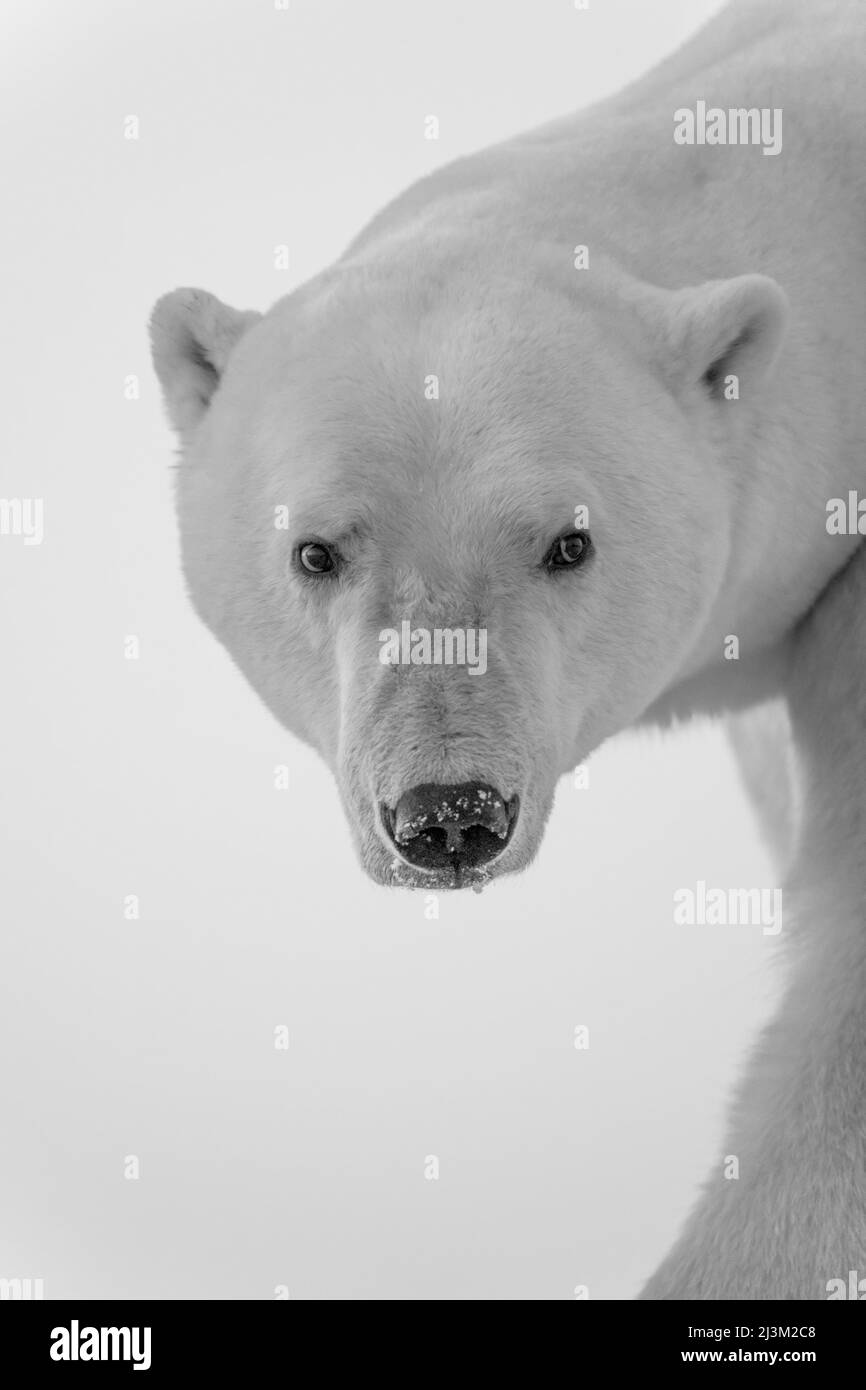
[{"x": 794, "y": 1221}]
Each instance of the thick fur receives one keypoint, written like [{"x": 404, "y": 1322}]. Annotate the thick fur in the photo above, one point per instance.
[
  {"x": 795, "y": 1218},
  {"x": 762, "y": 744}
]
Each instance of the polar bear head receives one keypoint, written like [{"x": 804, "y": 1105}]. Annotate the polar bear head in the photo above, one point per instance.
[{"x": 457, "y": 529}]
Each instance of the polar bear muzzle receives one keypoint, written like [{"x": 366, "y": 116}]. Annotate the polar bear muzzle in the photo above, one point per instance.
[{"x": 436, "y": 827}]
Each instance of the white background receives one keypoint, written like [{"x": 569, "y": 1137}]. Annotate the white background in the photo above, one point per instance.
[{"x": 408, "y": 1037}]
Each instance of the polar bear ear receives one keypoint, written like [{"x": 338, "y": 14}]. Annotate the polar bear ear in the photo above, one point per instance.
[
  {"x": 192, "y": 335},
  {"x": 724, "y": 329}
]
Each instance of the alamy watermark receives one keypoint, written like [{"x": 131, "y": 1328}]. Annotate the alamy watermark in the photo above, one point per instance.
[
  {"x": 854, "y": 1289},
  {"x": 712, "y": 125},
  {"x": 846, "y": 516},
  {"x": 729, "y": 907},
  {"x": 21, "y": 1290},
  {"x": 76, "y": 1343},
  {"x": 22, "y": 516},
  {"x": 438, "y": 646}
]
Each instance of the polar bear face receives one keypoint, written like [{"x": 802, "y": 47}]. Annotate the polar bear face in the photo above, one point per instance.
[{"x": 502, "y": 471}]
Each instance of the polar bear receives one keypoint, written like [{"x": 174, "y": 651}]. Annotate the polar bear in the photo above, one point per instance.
[
  {"x": 587, "y": 393},
  {"x": 610, "y": 461}
]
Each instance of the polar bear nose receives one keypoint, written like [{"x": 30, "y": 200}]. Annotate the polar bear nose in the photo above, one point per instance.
[{"x": 435, "y": 826}]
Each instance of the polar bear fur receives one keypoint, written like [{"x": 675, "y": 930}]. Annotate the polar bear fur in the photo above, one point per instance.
[
  {"x": 793, "y": 1223},
  {"x": 557, "y": 388}
]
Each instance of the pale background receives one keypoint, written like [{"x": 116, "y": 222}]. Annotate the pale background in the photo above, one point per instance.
[{"x": 408, "y": 1037}]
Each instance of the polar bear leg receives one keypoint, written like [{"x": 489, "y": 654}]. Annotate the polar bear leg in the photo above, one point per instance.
[{"x": 792, "y": 1224}]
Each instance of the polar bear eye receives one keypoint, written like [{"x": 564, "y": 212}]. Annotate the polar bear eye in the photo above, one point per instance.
[
  {"x": 569, "y": 551},
  {"x": 316, "y": 558}
]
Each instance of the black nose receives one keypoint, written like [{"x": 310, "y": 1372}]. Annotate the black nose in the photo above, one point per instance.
[{"x": 441, "y": 827}]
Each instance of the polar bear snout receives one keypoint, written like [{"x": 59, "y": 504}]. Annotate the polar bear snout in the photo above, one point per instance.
[{"x": 439, "y": 827}]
